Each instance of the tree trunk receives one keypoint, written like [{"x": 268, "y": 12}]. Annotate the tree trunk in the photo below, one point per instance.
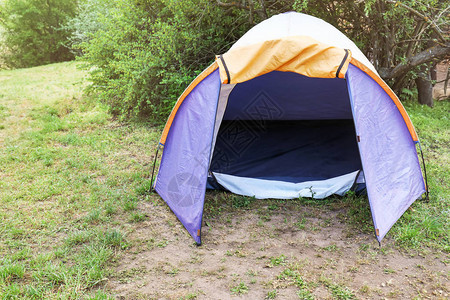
[
  {"x": 433, "y": 72},
  {"x": 425, "y": 89}
]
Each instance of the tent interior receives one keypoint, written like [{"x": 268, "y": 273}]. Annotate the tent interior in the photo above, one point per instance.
[{"x": 285, "y": 135}]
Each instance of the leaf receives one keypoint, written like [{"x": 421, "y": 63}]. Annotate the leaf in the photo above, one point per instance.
[{"x": 407, "y": 92}]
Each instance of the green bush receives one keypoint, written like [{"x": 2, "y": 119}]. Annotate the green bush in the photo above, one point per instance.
[
  {"x": 87, "y": 22},
  {"x": 33, "y": 32},
  {"x": 146, "y": 52}
]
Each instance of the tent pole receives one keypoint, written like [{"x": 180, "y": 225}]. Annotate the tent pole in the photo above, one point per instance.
[
  {"x": 153, "y": 169},
  {"x": 427, "y": 197}
]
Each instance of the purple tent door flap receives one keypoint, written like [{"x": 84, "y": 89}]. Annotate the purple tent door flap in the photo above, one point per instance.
[
  {"x": 182, "y": 176},
  {"x": 388, "y": 153}
]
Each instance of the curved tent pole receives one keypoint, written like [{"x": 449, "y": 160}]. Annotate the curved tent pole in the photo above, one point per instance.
[
  {"x": 427, "y": 192},
  {"x": 152, "y": 188}
]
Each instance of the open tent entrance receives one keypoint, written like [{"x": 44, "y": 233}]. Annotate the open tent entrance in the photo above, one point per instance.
[
  {"x": 285, "y": 135},
  {"x": 293, "y": 109}
]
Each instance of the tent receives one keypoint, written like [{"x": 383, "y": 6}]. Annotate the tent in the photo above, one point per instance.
[{"x": 293, "y": 109}]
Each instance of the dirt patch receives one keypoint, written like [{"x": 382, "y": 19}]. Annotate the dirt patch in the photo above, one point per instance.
[{"x": 246, "y": 251}]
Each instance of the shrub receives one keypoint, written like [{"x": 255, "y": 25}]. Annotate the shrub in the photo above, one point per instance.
[
  {"x": 147, "y": 51},
  {"x": 33, "y": 33},
  {"x": 87, "y": 22}
]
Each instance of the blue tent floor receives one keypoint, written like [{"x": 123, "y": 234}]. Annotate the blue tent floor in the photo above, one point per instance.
[{"x": 290, "y": 151}]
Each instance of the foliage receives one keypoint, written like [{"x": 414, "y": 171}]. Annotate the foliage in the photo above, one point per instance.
[
  {"x": 389, "y": 33},
  {"x": 3, "y": 49},
  {"x": 32, "y": 31},
  {"x": 271, "y": 294},
  {"x": 147, "y": 52},
  {"x": 240, "y": 289},
  {"x": 142, "y": 54},
  {"x": 277, "y": 261},
  {"x": 341, "y": 292},
  {"x": 240, "y": 201},
  {"x": 87, "y": 22}
]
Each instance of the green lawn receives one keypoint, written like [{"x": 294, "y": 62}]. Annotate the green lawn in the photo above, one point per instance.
[
  {"x": 72, "y": 179},
  {"x": 427, "y": 223}
]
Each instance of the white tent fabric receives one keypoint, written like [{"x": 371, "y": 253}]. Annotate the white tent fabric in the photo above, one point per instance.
[{"x": 264, "y": 189}]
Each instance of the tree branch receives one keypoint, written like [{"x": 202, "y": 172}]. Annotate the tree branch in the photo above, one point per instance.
[
  {"x": 250, "y": 4},
  {"x": 232, "y": 4},
  {"x": 446, "y": 82},
  {"x": 418, "y": 40},
  {"x": 436, "y": 52},
  {"x": 416, "y": 34},
  {"x": 261, "y": 12},
  {"x": 422, "y": 16},
  {"x": 263, "y": 8}
]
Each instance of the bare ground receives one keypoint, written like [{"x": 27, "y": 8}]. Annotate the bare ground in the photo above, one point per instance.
[{"x": 255, "y": 245}]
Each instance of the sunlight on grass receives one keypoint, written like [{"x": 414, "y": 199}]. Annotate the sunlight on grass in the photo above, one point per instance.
[
  {"x": 66, "y": 169},
  {"x": 43, "y": 85}
]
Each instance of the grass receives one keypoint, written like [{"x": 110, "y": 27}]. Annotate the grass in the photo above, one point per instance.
[
  {"x": 70, "y": 183},
  {"x": 239, "y": 289},
  {"x": 73, "y": 180},
  {"x": 271, "y": 294},
  {"x": 427, "y": 224},
  {"x": 241, "y": 201},
  {"x": 277, "y": 261},
  {"x": 291, "y": 276},
  {"x": 341, "y": 292}
]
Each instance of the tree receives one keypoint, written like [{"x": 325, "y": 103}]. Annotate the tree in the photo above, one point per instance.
[
  {"x": 143, "y": 53},
  {"x": 146, "y": 52},
  {"x": 87, "y": 22},
  {"x": 402, "y": 39},
  {"x": 33, "y": 33}
]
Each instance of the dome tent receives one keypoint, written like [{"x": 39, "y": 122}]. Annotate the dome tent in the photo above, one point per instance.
[{"x": 293, "y": 109}]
